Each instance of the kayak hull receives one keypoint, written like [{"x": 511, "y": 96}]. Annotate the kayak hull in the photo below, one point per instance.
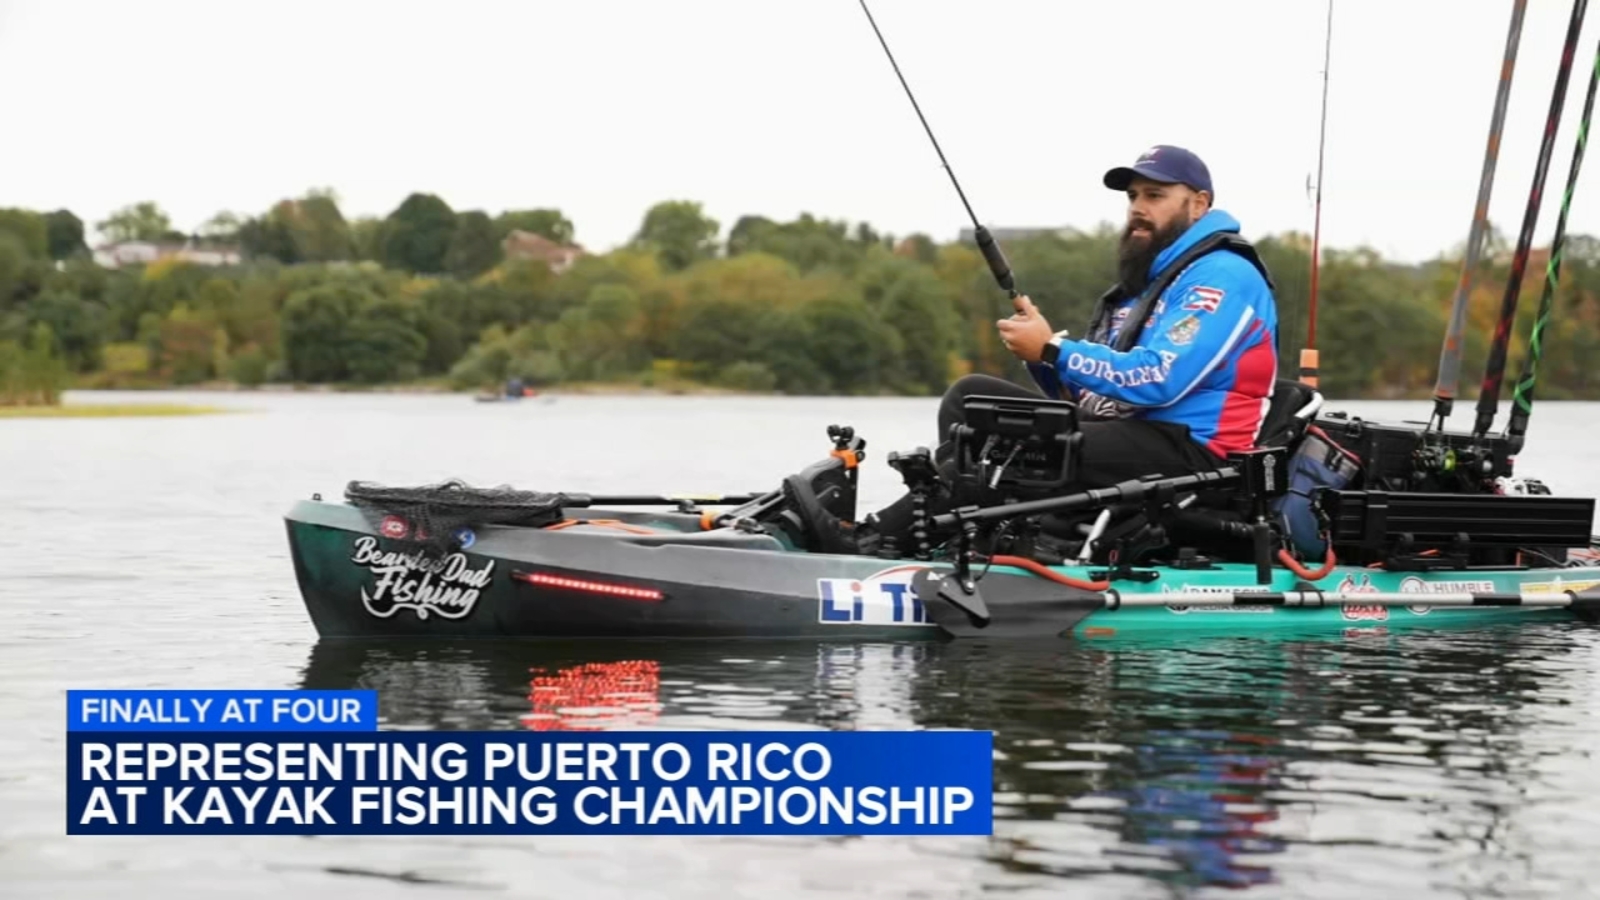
[{"x": 655, "y": 574}]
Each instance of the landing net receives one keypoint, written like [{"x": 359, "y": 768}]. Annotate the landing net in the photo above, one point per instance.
[{"x": 439, "y": 516}]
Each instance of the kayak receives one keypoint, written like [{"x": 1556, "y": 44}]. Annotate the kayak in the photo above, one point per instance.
[
  {"x": 625, "y": 573},
  {"x": 453, "y": 561}
]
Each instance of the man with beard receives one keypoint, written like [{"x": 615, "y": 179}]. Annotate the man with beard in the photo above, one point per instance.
[{"x": 1177, "y": 367}]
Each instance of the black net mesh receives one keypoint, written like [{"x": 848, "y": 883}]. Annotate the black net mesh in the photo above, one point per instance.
[{"x": 441, "y": 516}]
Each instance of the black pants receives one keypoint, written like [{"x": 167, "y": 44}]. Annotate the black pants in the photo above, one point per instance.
[{"x": 1112, "y": 450}]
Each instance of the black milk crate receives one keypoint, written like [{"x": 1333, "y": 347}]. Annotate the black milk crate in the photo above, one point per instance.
[{"x": 1384, "y": 521}]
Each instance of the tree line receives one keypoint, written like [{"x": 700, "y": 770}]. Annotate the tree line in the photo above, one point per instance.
[{"x": 427, "y": 294}]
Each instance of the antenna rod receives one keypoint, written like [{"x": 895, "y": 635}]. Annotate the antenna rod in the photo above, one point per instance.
[
  {"x": 1495, "y": 369},
  {"x": 986, "y": 244},
  {"x": 1444, "y": 389},
  {"x": 1522, "y": 393},
  {"x": 1308, "y": 355}
]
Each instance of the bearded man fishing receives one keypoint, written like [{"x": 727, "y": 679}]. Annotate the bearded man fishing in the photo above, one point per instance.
[{"x": 1177, "y": 367}]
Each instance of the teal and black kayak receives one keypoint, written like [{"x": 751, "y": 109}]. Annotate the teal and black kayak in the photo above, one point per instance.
[
  {"x": 1411, "y": 529},
  {"x": 627, "y": 572}
]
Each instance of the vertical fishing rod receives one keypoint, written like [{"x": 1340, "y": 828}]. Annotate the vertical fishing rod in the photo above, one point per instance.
[
  {"x": 1308, "y": 354},
  {"x": 986, "y": 243},
  {"x": 1522, "y": 393},
  {"x": 1444, "y": 388},
  {"x": 1494, "y": 369}
]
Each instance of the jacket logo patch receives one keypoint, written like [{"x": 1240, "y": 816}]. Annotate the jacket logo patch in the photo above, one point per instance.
[
  {"x": 1184, "y": 330},
  {"x": 1205, "y": 299}
]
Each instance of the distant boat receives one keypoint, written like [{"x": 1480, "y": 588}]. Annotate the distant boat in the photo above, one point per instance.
[{"x": 515, "y": 390}]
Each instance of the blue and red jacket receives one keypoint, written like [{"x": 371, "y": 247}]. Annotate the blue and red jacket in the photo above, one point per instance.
[{"x": 1207, "y": 355}]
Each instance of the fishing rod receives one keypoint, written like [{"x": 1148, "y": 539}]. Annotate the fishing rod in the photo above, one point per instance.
[
  {"x": 1495, "y": 368},
  {"x": 1444, "y": 389},
  {"x": 991, "y": 251},
  {"x": 1308, "y": 355},
  {"x": 1522, "y": 393}
]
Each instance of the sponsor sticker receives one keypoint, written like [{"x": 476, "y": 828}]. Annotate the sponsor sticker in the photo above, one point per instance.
[
  {"x": 394, "y": 527},
  {"x": 1557, "y": 585},
  {"x": 1351, "y": 586},
  {"x": 1411, "y": 584},
  {"x": 465, "y": 536},
  {"x": 882, "y": 598},
  {"x": 1364, "y": 612},
  {"x": 1184, "y": 330},
  {"x": 1183, "y": 609}
]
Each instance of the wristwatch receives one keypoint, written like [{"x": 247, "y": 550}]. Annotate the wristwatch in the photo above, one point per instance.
[{"x": 1052, "y": 349}]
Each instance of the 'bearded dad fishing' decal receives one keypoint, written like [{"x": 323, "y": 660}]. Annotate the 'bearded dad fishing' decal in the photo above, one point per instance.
[{"x": 446, "y": 586}]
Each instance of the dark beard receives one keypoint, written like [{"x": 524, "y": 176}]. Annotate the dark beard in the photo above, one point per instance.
[{"x": 1134, "y": 258}]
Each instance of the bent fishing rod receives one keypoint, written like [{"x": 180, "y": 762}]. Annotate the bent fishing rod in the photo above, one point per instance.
[{"x": 991, "y": 251}]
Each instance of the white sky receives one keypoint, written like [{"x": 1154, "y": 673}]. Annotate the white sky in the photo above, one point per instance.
[{"x": 603, "y": 107}]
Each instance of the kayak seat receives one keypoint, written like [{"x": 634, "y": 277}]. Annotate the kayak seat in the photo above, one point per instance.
[
  {"x": 1213, "y": 513},
  {"x": 1290, "y": 412}
]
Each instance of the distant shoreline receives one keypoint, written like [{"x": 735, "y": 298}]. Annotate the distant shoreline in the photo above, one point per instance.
[
  {"x": 614, "y": 389},
  {"x": 570, "y": 389}
]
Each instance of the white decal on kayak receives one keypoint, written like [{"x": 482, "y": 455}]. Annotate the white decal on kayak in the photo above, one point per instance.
[
  {"x": 446, "y": 586},
  {"x": 1350, "y": 586},
  {"x": 882, "y": 598},
  {"x": 1411, "y": 584},
  {"x": 1183, "y": 609}
]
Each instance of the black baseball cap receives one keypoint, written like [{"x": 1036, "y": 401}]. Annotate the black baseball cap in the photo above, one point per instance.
[{"x": 1164, "y": 163}]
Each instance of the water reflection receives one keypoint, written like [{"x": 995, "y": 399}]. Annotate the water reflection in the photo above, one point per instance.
[{"x": 1187, "y": 765}]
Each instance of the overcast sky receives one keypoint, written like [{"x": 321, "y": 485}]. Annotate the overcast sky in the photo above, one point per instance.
[{"x": 775, "y": 107}]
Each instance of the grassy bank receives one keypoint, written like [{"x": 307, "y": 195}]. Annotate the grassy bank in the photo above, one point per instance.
[{"x": 106, "y": 410}]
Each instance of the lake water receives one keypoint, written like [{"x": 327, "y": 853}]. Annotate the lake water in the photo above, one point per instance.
[{"x": 151, "y": 553}]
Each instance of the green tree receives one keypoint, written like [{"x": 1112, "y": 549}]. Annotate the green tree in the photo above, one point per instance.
[
  {"x": 316, "y": 330},
  {"x": 30, "y": 230},
  {"x": 417, "y": 234},
  {"x": 143, "y": 221},
  {"x": 474, "y": 248},
  {"x": 64, "y": 235},
  {"x": 679, "y": 232}
]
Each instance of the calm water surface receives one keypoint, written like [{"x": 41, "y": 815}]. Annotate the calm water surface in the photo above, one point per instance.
[{"x": 150, "y": 553}]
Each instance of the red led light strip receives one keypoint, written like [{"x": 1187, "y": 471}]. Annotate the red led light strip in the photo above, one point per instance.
[{"x": 593, "y": 587}]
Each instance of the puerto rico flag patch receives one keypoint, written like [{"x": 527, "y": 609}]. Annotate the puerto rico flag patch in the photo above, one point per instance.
[{"x": 1205, "y": 299}]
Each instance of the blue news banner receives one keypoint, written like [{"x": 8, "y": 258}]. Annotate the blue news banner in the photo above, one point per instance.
[{"x": 314, "y": 762}]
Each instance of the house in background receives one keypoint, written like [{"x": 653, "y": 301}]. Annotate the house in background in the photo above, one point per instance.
[
  {"x": 521, "y": 244},
  {"x": 133, "y": 253}
]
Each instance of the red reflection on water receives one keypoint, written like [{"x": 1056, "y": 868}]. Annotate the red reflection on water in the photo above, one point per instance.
[{"x": 595, "y": 696}]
